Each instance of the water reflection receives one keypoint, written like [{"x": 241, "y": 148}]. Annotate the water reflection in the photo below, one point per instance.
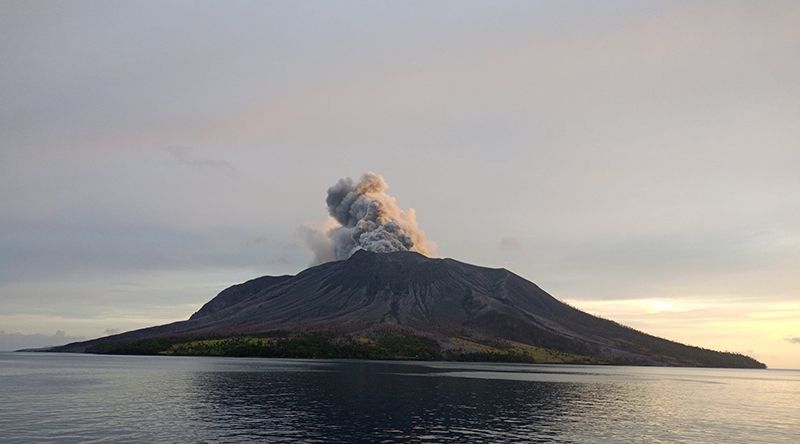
[
  {"x": 71, "y": 398},
  {"x": 392, "y": 402}
]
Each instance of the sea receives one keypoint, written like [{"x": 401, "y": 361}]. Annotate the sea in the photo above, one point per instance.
[{"x": 53, "y": 397}]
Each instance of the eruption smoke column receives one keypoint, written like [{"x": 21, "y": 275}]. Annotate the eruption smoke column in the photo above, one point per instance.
[{"x": 365, "y": 218}]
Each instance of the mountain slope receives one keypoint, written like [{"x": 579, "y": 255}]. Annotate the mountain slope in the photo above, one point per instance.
[{"x": 466, "y": 310}]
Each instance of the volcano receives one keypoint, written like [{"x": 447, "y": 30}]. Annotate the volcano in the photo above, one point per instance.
[{"x": 404, "y": 305}]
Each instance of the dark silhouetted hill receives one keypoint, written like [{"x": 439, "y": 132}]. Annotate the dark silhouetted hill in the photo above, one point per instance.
[{"x": 404, "y": 305}]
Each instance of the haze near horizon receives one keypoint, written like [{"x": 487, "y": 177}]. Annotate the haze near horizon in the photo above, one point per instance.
[{"x": 638, "y": 161}]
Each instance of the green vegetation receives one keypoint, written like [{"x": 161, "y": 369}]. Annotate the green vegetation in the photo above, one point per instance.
[
  {"x": 327, "y": 346},
  {"x": 141, "y": 347},
  {"x": 310, "y": 345},
  {"x": 381, "y": 346},
  {"x": 510, "y": 351}
]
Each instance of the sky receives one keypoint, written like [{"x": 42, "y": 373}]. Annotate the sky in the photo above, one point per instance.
[{"x": 638, "y": 160}]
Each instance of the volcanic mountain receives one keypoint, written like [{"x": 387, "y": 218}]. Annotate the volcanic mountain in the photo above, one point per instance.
[{"x": 404, "y": 305}]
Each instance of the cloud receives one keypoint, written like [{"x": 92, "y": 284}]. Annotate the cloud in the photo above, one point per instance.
[
  {"x": 111, "y": 331},
  {"x": 188, "y": 156},
  {"x": 794, "y": 340},
  {"x": 318, "y": 240},
  {"x": 16, "y": 341},
  {"x": 685, "y": 128},
  {"x": 510, "y": 243},
  {"x": 70, "y": 244},
  {"x": 365, "y": 217}
]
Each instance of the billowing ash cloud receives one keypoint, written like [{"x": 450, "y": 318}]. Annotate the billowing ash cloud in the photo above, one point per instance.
[{"x": 364, "y": 217}]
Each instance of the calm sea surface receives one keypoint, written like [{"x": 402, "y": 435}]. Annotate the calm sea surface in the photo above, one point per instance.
[{"x": 70, "y": 398}]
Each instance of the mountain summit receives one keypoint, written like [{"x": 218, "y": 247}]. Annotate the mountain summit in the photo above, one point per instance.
[{"x": 438, "y": 308}]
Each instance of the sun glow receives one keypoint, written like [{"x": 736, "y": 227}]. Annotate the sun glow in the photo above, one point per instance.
[
  {"x": 762, "y": 329},
  {"x": 658, "y": 306}
]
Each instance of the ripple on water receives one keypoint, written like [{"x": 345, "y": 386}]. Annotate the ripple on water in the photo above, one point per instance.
[{"x": 68, "y": 398}]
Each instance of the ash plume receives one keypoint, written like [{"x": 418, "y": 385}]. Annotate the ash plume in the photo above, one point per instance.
[{"x": 364, "y": 217}]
